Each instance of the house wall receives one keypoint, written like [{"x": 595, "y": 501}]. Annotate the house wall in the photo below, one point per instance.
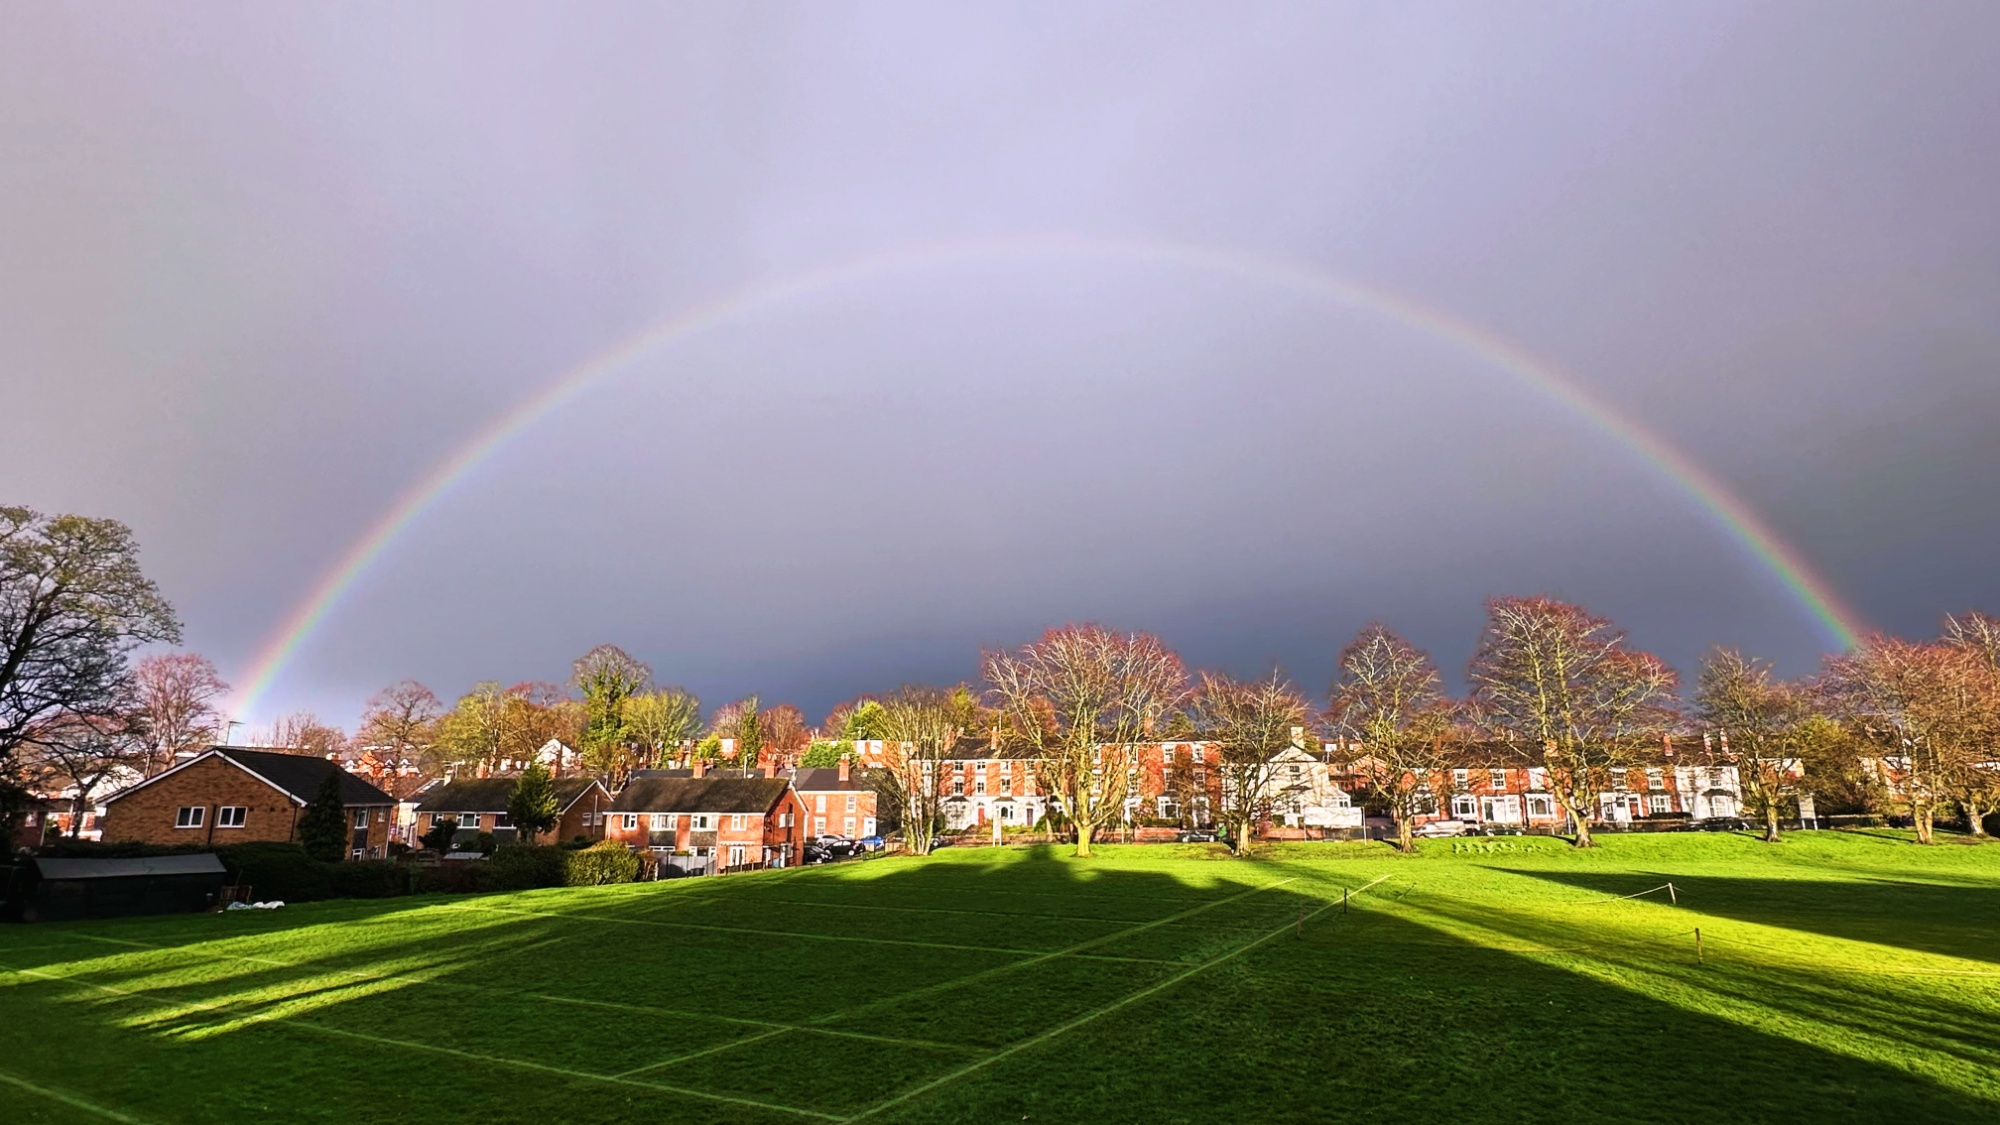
[
  {"x": 827, "y": 812},
  {"x": 146, "y": 816}
]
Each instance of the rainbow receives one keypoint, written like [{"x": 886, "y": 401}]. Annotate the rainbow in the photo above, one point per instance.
[{"x": 1839, "y": 623}]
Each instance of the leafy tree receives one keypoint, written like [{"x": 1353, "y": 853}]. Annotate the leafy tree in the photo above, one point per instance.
[
  {"x": 1564, "y": 688},
  {"x": 532, "y": 805},
  {"x": 749, "y": 733},
  {"x": 660, "y": 722},
  {"x": 1083, "y": 697},
  {"x": 323, "y": 824},
  {"x": 473, "y": 731},
  {"x": 1388, "y": 699},
  {"x": 708, "y": 749},
  {"x": 858, "y": 719},
  {"x": 84, "y": 755},
  {"x": 824, "y": 755},
  {"x": 73, "y": 606},
  {"x": 607, "y": 676},
  {"x": 1902, "y": 697}
]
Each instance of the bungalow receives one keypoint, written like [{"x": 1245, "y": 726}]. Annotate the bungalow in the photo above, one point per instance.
[
  {"x": 836, "y": 802},
  {"x": 480, "y": 805},
  {"x": 230, "y": 795},
  {"x": 733, "y": 821}
]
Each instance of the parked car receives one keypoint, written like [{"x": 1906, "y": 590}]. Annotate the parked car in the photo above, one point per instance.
[
  {"x": 871, "y": 843},
  {"x": 1197, "y": 836},
  {"x": 1437, "y": 828}
]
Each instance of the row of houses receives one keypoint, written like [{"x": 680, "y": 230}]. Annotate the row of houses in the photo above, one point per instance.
[{"x": 765, "y": 816}]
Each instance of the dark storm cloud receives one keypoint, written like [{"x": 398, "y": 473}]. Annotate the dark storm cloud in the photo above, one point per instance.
[{"x": 261, "y": 268}]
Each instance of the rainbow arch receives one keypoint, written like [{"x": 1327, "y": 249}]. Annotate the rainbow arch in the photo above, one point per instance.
[{"x": 1838, "y": 622}]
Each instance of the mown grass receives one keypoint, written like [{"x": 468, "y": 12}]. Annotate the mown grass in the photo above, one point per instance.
[{"x": 1842, "y": 977}]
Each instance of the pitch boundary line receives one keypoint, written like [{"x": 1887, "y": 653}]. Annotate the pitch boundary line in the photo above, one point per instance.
[
  {"x": 70, "y": 1100},
  {"x": 498, "y": 1060},
  {"x": 1114, "y": 1006}
]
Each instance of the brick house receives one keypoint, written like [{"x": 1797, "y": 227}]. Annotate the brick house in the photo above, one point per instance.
[
  {"x": 230, "y": 795},
  {"x": 480, "y": 805},
  {"x": 835, "y": 802},
  {"x": 983, "y": 782},
  {"x": 1494, "y": 785},
  {"x": 733, "y": 820}
]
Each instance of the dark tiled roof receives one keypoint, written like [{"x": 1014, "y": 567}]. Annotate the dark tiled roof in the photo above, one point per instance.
[
  {"x": 301, "y": 775},
  {"x": 700, "y": 794},
  {"x": 491, "y": 794},
  {"x": 636, "y": 774},
  {"x": 822, "y": 780}
]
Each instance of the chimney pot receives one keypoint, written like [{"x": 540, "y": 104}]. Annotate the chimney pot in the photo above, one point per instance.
[
  {"x": 700, "y": 767},
  {"x": 843, "y": 767}
]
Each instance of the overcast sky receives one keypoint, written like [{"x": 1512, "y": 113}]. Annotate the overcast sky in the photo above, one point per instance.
[{"x": 263, "y": 266}]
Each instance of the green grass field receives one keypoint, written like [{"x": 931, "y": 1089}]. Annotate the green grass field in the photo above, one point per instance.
[{"x": 1844, "y": 977}]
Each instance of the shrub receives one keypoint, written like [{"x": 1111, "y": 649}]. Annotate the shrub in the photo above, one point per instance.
[
  {"x": 485, "y": 843},
  {"x": 323, "y": 823},
  {"x": 282, "y": 872},
  {"x": 601, "y": 864},
  {"x": 370, "y": 878},
  {"x": 438, "y": 839},
  {"x": 577, "y": 842},
  {"x": 521, "y": 867}
]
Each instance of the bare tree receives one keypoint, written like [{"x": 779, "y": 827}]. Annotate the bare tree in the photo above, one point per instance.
[
  {"x": 919, "y": 726},
  {"x": 81, "y": 756},
  {"x": 1084, "y": 697},
  {"x": 659, "y": 722},
  {"x": 784, "y": 728},
  {"x": 402, "y": 720},
  {"x": 1249, "y": 724},
  {"x": 1389, "y": 700},
  {"x": 176, "y": 695},
  {"x": 1973, "y": 772},
  {"x": 302, "y": 732},
  {"x": 73, "y": 606},
  {"x": 1762, "y": 719},
  {"x": 1899, "y": 696},
  {"x": 1561, "y": 685}
]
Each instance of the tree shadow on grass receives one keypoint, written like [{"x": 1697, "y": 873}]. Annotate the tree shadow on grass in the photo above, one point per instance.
[
  {"x": 1370, "y": 1014},
  {"x": 1952, "y": 920}
]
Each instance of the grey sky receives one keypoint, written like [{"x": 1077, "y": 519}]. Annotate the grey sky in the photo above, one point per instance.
[{"x": 262, "y": 266}]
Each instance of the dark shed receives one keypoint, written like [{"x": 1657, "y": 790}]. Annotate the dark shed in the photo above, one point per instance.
[{"x": 68, "y": 889}]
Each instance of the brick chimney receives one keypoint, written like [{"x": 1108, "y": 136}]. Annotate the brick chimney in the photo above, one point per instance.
[
  {"x": 843, "y": 768},
  {"x": 700, "y": 766},
  {"x": 769, "y": 767}
]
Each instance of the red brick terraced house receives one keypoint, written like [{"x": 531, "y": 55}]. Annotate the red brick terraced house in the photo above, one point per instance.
[
  {"x": 1494, "y": 786},
  {"x": 732, "y": 821},
  {"x": 836, "y": 803},
  {"x": 480, "y": 805},
  {"x": 983, "y": 783},
  {"x": 230, "y": 795}
]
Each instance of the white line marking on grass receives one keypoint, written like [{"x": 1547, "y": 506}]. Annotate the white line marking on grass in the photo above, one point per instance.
[
  {"x": 498, "y": 1060},
  {"x": 858, "y": 938},
  {"x": 70, "y": 1100},
  {"x": 361, "y": 976},
  {"x": 692, "y": 1055},
  {"x": 1079, "y": 1021},
  {"x": 998, "y": 970}
]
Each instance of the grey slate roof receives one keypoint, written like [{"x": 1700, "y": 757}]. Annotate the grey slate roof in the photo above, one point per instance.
[
  {"x": 301, "y": 775},
  {"x": 824, "y": 780},
  {"x": 204, "y": 863},
  {"x": 490, "y": 794},
  {"x": 700, "y": 794}
]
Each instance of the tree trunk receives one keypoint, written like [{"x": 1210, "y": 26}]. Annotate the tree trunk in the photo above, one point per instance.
[
  {"x": 1243, "y": 838},
  {"x": 1975, "y": 817},
  {"x": 1082, "y": 839},
  {"x": 1404, "y": 843},
  {"x": 1771, "y": 822},
  {"x": 1582, "y": 823},
  {"x": 1921, "y": 816}
]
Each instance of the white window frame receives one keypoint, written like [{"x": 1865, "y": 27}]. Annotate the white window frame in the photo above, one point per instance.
[
  {"x": 631, "y": 821},
  {"x": 736, "y": 822},
  {"x": 360, "y": 818},
  {"x": 225, "y": 819},
  {"x": 190, "y": 816},
  {"x": 701, "y": 822},
  {"x": 468, "y": 820}
]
